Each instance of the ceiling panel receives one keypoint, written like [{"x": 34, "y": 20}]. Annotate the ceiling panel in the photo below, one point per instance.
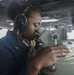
[{"x": 59, "y": 9}]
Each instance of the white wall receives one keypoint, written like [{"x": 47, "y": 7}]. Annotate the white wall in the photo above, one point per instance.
[{"x": 3, "y": 32}]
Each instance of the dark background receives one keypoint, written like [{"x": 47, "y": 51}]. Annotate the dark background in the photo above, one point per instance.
[{"x": 59, "y": 9}]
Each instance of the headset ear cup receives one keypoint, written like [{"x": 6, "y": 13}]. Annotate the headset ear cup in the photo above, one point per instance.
[{"x": 21, "y": 23}]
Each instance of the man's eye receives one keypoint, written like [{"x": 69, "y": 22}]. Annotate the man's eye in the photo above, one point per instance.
[{"x": 35, "y": 25}]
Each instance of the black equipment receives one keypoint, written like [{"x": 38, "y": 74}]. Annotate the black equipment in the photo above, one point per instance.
[{"x": 21, "y": 22}]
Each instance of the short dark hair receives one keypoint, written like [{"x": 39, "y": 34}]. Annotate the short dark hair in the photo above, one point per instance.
[{"x": 15, "y": 8}]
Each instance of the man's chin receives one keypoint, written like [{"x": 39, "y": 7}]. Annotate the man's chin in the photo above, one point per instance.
[{"x": 31, "y": 38}]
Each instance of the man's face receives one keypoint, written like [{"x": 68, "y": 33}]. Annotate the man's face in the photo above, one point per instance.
[{"x": 34, "y": 25}]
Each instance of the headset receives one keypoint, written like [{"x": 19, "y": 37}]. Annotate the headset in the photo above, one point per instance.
[{"x": 21, "y": 22}]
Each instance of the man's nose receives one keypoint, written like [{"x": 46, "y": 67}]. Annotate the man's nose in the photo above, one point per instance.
[{"x": 37, "y": 28}]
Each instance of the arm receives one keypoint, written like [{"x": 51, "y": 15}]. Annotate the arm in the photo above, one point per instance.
[
  {"x": 46, "y": 57},
  {"x": 8, "y": 64}
]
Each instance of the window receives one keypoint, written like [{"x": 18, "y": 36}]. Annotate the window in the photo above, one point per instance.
[{"x": 3, "y": 32}]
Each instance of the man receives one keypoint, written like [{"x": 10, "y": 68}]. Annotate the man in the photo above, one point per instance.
[{"x": 15, "y": 46}]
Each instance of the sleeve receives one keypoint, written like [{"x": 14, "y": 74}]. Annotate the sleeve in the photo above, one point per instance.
[
  {"x": 24, "y": 71},
  {"x": 8, "y": 64}
]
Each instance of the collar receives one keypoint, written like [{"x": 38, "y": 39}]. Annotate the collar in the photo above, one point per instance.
[{"x": 11, "y": 37}]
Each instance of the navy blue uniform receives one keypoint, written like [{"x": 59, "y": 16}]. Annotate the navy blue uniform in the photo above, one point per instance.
[{"x": 13, "y": 55}]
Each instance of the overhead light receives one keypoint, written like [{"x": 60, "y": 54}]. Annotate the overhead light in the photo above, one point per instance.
[
  {"x": 9, "y": 21},
  {"x": 46, "y": 17},
  {"x": 50, "y": 20},
  {"x": 11, "y": 24}
]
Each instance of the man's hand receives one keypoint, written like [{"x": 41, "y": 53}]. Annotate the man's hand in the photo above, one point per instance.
[{"x": 46, "y": 57}]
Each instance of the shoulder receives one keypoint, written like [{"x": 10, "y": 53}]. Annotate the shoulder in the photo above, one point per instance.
[{"x": 7, "y": 45}]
